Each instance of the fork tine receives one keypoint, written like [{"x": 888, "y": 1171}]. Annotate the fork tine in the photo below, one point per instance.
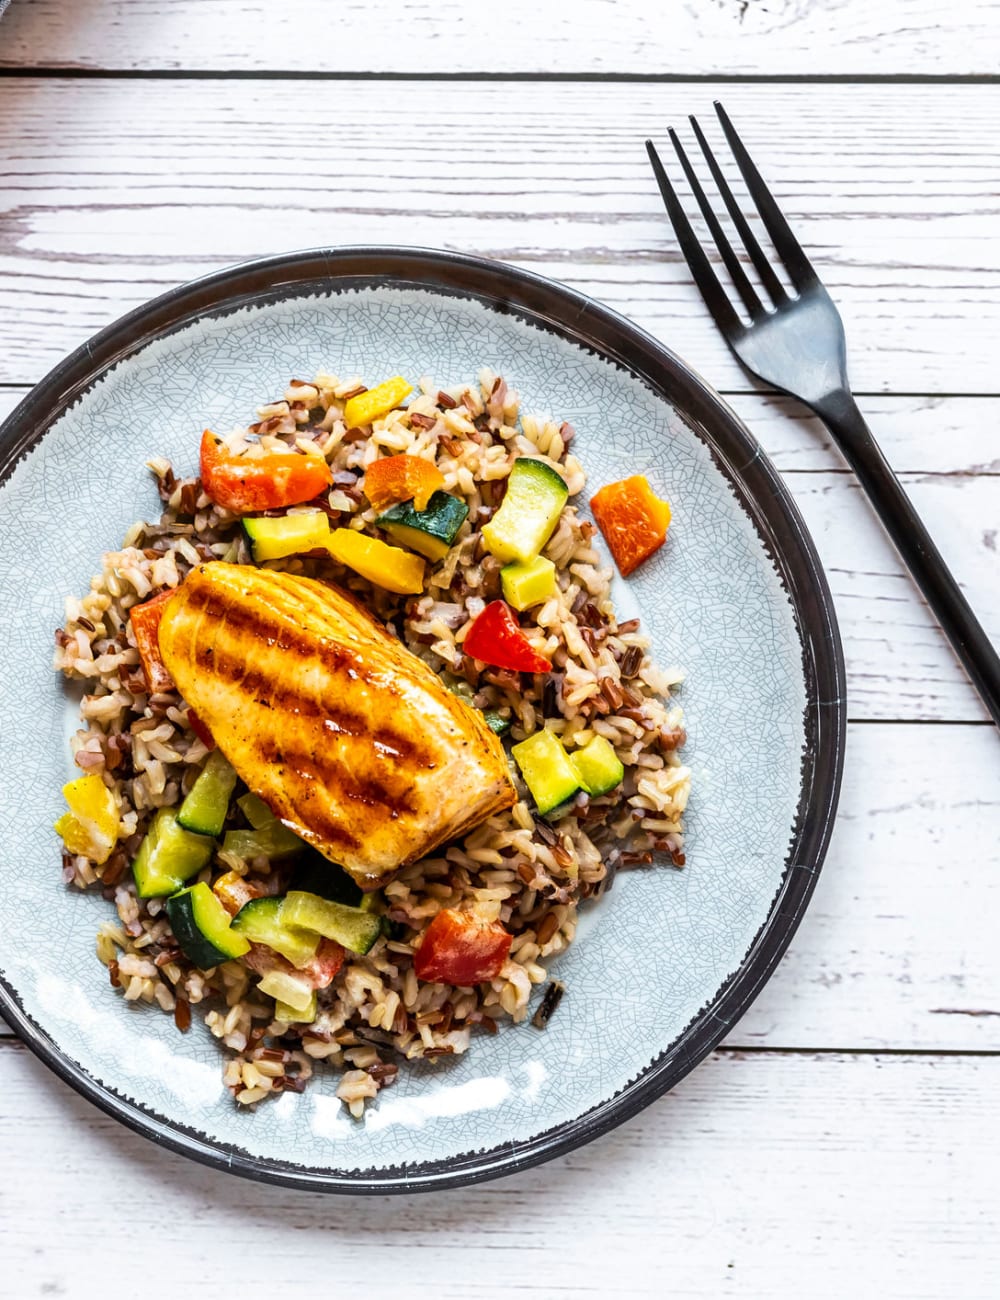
[
  {"x": 799, "y": 267},
  {"x": 764, "y": 268},
  {"x": 739, "y": 277},
  {"x": 705, "y": 278}
]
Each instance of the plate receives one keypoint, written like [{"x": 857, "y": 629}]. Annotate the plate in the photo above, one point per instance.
[{"x": 669, "y": 960}]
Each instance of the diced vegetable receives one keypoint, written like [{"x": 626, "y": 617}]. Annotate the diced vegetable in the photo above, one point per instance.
[
  {"x": 90, "y": 827},
  {"x": 289, "y": 1016},
  {"x": 273, "y": 537},
  {"x": 386, "y": 566},
  {"x": 168, "y": 856},
  {"x": 460, "y": 948},
  {"x": 598, "y": 766},
  {"x": 528, "y": 513},
  {"x": 350, "y": 926},
  {"x": 376, "y": 402},
  {"x": 255, "y": 810},
  {"x": 297, "y": 994},
  {"x": 272, "y": 840},
  {"x": 201, "y": 926},
  {"x": 246, "y": 482},
  {"x": 326, "y": 965},
  {"x": 496, "y": 722},
  {"x": 234, "y": 891},
  {"x": 145, "y": 620},
  {"x": 528, "y": 584},
  {"x": 261, "y": 921},
  {"x": 315, "y": 874},
  {"x": 547, "y": 770},
  {"x": 402, "y": 478},
  {"x": 205, "y": 807},
  {"x": 633, "y": 519},
  {"x": 430, "y": 532},
  {"x": 496, "y": 638}
]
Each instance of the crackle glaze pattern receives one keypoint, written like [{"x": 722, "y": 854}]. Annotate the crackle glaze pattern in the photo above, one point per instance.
[{"x": 649, "y": 957}]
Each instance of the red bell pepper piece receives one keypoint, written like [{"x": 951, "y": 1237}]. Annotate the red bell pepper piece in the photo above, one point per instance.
[
  {"x": 496, "y": 638},
  {"x": 459, "y": 948},
  {"x": 145, "y": 620},
  {"x": 268, "y": 482}
]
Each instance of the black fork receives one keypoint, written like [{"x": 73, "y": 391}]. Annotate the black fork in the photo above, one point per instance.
[{"x": 796, "y": 342}]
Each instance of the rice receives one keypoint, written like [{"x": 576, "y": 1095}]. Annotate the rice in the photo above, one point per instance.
[{"x": 529, "y": 873}]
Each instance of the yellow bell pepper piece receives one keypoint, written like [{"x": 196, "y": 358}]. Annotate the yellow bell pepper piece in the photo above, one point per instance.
[
  {"x": 386, "y": 566},
  {"x": 91, "y": 825},
  {"x": 377, "y": 402}
]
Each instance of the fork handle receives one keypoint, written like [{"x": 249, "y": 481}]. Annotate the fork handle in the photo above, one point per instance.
[{"x": 840, "y": 413}]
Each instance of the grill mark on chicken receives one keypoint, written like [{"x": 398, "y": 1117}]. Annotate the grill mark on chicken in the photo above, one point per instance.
[
  {"x": 286, "y": 695},
  {"x": 359, "y": 786}
]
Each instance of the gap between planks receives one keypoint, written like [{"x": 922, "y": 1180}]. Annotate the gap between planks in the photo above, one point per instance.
[{"x": 69, "y": 73}]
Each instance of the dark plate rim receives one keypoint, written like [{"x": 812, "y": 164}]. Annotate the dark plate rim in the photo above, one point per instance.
[{"x": 579, "y": 319}]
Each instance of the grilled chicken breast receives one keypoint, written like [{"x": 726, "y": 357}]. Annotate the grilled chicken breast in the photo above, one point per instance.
[{"x": 350, "y": 739}]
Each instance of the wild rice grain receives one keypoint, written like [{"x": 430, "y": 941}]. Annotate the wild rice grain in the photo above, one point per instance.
[{"x": 551, "y": 1000}]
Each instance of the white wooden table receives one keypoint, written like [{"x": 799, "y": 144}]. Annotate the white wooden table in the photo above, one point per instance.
[{"x": 845, "y": 1139}]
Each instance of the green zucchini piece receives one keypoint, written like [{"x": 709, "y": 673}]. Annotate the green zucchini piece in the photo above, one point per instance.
[
  {"x": 429, "y": 532},
  {"x": 598, "y": 766},
  {"x": 288, "y": 989},
  {"x": 261, "y": 921},
  {"x": 496, "y": 722},
  {"x": 528, "y": 584},
  {"x": 271, "y": 840},
  {"x": 274, "y": 538},
  {"x": 255, "y": 810},
  {"x": 289, "y": 1016},
  {"x": 168, "y": 856},
  {"x": 315, "y": 874},
  {"x": 351, "y": 927},
  {"x": 201, "y": 926},
  {"x": 204, "y": 810},
  {"x": 528, "y": 513},
  {"x": 547, "y": 770}
]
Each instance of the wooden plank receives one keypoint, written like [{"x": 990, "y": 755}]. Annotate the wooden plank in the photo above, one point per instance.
[
  {"x": 919, "y": 434},
  {"x": 598, "y": 36},
  {"x": 899, "y": 664},
  {"x": 891, "y": 188},
  {"x": 898, "y": 948},
  {"x": 879, "y": 1176}
]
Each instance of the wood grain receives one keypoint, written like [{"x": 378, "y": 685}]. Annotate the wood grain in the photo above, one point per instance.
[
  {"x": 898, "y": 948},
  {"x": 764, "y": 1175},
  {"x": 678, "y": 38},
  {"x": 116, "y": 190}
]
